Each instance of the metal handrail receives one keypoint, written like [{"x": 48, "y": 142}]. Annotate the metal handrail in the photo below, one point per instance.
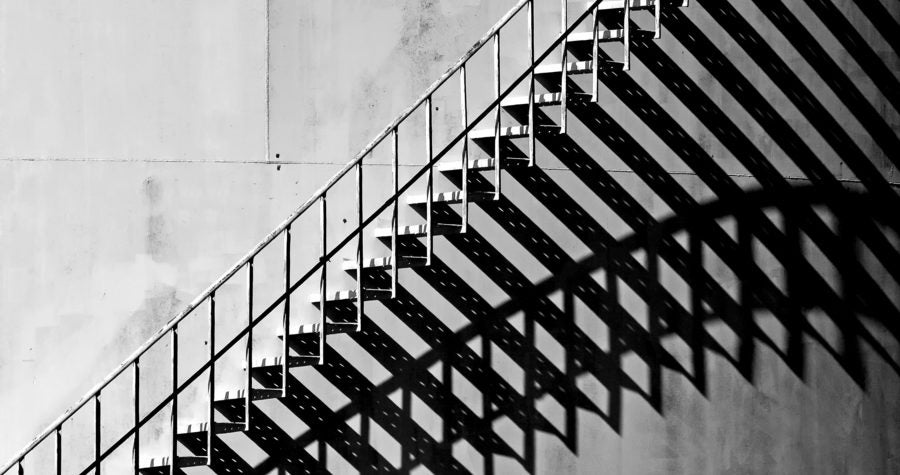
[{"x": 94, "y": 393}]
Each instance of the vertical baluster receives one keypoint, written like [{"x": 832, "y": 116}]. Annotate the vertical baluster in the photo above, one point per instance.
[
  {"x": 657, "y": 4},
  {"x": 394, "y": 218},
  {"x": 464, "y": 107},
  {"x": 497, "y": 157},
  {"x": 211, "y": 388},
  {"x": 248, "y": 359},
  {"x": 595, "y": 57},
  {"x": 323, "y": 284},
  {"x": 429, "y": 242},
  {"x": 21, "y": 468},
  {"x": 359, "y": 246},
  {"x": 626, "y": 40},
  {"x": 136, "y": 416},
  {"x": 564, "y": 80},
  {"x": 531, "y": 89},
  {"x": 286, "y": 319},
  {"x": 59, "y": 451},
  {"x": 97, "y": 433},
  {"x": 173, "y": 446}
]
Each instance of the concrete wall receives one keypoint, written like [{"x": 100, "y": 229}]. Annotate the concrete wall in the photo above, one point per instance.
[{"x": 146, "y": 146}]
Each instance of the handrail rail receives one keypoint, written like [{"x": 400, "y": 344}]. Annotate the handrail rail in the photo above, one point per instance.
[{"x": 94, "y": 392}]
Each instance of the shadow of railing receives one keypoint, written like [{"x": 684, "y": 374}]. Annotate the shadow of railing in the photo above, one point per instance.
[
  {"x": 411, "y": 376},
  {"x": 850, "y": 296}
]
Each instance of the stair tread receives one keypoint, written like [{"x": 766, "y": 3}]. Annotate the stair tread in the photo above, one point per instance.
[
  {"x": 417, "y": 230},
  {"x": 602, "y": 35},
  {"x": 201, "y": 427},
  {"x": 180, "y": 461},
  {"x": 449, "y": 197},
  {"x": 572, "y": 67},
  {"x": 343, "y": 295},
  {"x": 480, "y": 164},
  {"x": 382, "y": 263},
  {"x": 620, "y": 4},
  {"x": 312, "y": 329},
  {"x": 548, "y": 98},
  {"x": 256, "y": 394},
  {"x": 269, "y": 362},
  {"x": 515, "y": 131}
]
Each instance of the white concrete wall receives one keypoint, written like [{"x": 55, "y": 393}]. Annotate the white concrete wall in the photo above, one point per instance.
[{"x": 133, "y": 171}]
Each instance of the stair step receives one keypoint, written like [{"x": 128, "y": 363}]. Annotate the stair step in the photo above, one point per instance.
[
  {"x": 480, "y": 164},
  {"x": 157, "y": 465},
  {"x": 602, "y": 35},
  {"x": 312, "y": 329},
  {"x": 344, "y": 295},
  {"x": 449, "y": 197},
  {"x": 573, "y": 67},
  {"x": 620, "y": 4},
  {"x": 514, "y": 132},
  {"x": 256, "y": 394},
  {"x": 218, "y": 428},
  {"x": 550, "y": 98},
  {"x": 417, "y": 230},
  {"x": 383, "y": 263},
  {"x": 268, "y": 363}
]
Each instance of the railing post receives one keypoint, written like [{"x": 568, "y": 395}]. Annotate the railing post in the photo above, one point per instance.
[
  {"x": 211, "y": 388},
  {"x": 21, "y": 469},
  {"x": 657, "y": 4},
  {"x": 173, "y": 442},
  {"x": 248, "y": 359},
  {"x": 564, "y": 80},
  {"x": 595, "y": 57},
  {"x": 136, "y": 416},
  {"x": 359, "y": 246},
  {"x": 286, "y": 319},
  {"x": 97, "y": 433},
  {"x": 497, "y": 157},
  {"x": 429, "y": 154},
  {"x": 464, "y": 108},
  {"x": 323, "y": 284},
  {"x": 394, "y": 217},
  {"x": 59, "y": 451},
  {"x": 626, "y": 26},
  {"x": 531, "y": 88}
]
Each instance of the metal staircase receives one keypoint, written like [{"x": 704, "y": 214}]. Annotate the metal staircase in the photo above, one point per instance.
[{"x": 341, "y": 311}]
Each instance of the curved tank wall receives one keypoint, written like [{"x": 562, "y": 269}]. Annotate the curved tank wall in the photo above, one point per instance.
[{"x": 701, "y": 276}]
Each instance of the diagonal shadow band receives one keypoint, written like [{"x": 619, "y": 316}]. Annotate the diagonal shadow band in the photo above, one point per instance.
[{"x": 408, "y": 369}]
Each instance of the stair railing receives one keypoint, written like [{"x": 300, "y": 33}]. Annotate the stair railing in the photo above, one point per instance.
[{"x": 284, "y": 229}]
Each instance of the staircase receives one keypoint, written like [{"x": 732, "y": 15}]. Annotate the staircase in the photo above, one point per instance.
[{"x": 341, "y": 310}]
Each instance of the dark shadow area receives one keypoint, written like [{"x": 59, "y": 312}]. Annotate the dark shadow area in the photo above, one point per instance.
[
  {"x": 742, "y": 233},
  {"x": 667, "y": 318}
]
